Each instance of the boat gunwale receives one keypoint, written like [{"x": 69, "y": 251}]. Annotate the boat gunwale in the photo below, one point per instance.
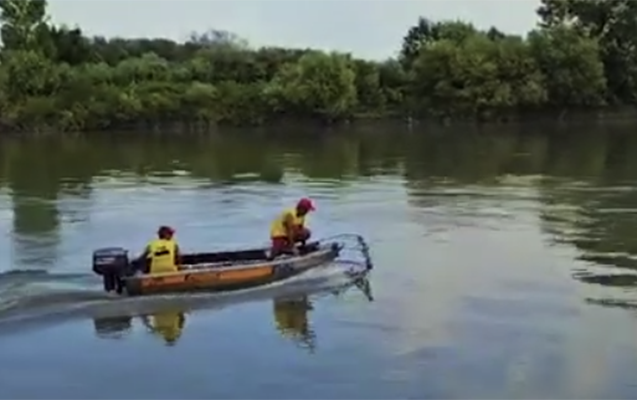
[{"x": 224, "y": 266}]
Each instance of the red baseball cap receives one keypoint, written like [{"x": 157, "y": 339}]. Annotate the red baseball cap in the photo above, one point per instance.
[
  {"x": 306, "y": 204},
  {"x": 165, "y": 230}
]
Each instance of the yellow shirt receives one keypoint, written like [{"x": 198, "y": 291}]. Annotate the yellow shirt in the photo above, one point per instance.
[
  {"x": 277, "y": 229},
  {"x": 162, "y": 256}
]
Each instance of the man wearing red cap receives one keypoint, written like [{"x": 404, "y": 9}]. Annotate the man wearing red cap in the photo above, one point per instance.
[
  {"x": 289, "y": 229},
  {"x": 162, "y": 253}
]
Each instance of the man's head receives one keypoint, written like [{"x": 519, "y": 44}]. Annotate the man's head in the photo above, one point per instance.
[
  {"x": 304, "y": 206},
  {"x": 165, "y": 232}
]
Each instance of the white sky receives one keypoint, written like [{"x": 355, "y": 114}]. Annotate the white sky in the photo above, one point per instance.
[{"x": 367, "y": 28}]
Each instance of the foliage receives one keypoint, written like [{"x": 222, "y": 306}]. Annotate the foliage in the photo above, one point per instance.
[{"x": 582, "y": 56}]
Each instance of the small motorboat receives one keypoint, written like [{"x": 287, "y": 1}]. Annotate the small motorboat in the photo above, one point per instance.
[{"x": 216, "y": 271}]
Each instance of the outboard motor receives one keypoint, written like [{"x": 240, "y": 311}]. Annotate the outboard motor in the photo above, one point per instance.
[{"x": 112, "y": 265}]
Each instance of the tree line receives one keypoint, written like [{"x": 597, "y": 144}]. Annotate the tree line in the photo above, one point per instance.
[{"x": 581, "y": 56}]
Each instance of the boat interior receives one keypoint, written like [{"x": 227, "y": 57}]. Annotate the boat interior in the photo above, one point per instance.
[{"x": 236, "y": 256}]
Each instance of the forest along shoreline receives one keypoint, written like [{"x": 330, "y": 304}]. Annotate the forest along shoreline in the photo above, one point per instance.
[{"x": 577, "y": 62}]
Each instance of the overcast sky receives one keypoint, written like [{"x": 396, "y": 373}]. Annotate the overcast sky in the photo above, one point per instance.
[{"x": 367, "y": 28}]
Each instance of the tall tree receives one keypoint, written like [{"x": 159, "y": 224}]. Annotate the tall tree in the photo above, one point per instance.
[{"x": 23, "y": 24}]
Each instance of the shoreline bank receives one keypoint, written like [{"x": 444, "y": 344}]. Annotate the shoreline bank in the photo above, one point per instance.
[{"x": 360, "y": 120}]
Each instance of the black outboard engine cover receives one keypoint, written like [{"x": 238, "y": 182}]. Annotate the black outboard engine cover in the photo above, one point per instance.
[
  {"x": 110, "y": 260},
  {"x": 112, "y": 264}
]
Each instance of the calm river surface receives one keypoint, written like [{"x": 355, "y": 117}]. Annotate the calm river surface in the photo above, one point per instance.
[{"x": 505, "y": 264}]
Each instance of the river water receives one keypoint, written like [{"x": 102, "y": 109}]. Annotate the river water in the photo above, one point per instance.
[{"x": 505, "y": 264}]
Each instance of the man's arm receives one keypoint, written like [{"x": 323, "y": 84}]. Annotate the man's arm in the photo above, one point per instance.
[
  {"x": 288, "y": 223},
  {"x": 142, "y": 260},
  {"x": 145, "y": 252}
]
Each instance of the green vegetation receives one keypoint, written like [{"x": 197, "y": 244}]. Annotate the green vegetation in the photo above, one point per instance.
[{"x": 581, "y": 57}]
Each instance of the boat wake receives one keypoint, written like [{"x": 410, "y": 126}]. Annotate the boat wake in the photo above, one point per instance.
[{"x": 33, "y": 299}]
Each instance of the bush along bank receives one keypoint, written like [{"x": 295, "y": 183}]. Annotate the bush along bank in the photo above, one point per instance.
[{"x": 56, "y": 78}]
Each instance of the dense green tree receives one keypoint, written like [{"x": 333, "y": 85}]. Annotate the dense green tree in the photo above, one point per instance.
[
  {"x": 478, "y": 77},
  {"x": 573, "y": 72},
  {"x": 613, "y": 23},
  {"x": 70, "y": 45},
  {"x": 427, "y": 32},
  {"x": 56, "y": 78},
  {"x": 318, "y": 85}
]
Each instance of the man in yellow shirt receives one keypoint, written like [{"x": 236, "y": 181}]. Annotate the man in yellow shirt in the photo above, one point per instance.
[
  {"x": 162, "y": 253},
  {"x": 289, "y": 229}
]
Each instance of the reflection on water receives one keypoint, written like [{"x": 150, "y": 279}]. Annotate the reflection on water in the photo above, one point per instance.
[
  {"x": 113, "y": 327},
  {"x": 52, "y": 181},
  {"x": 291, "y": 315},
  {"x": 291, "y": 319},
  {"x": 493, "y": 248},
  {"x": 590, "y": 202},
  {"x": 168, "y": 324}
]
